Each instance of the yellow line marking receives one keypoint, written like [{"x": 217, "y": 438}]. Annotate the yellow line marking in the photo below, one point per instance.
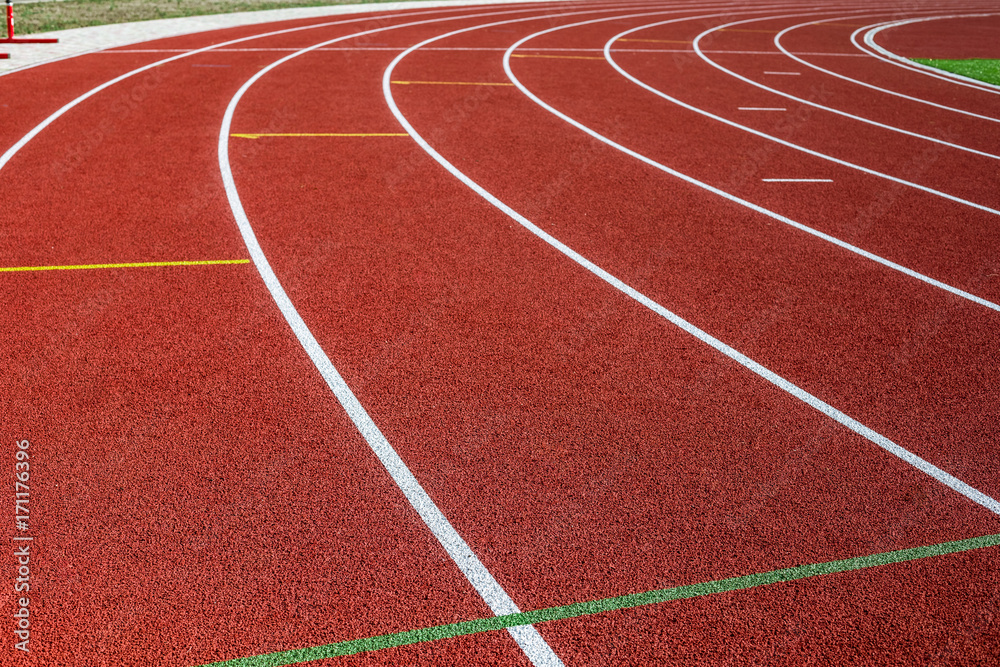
[
  {"x": 321, "y": 134},
  {"x": 839, "y": 25},
  {"x": 770, "y": 32},
  {"x": 659, "y": 41},
  {"x": 526, "y": 55},
  {"x": 128, "y": 265},
  {"x": 450, "y": 83}
]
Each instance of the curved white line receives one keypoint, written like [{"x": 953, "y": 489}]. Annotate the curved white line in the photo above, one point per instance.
[
  {"x": 881, "y": 441},
  {"x": 884, "y": 54},
  {"x": 816, "y": 105},
  {"x": 13, "y": 150},
  {"x": 777, "y": 42},
  {"x": 788, "y": 144},
  {"x": 197, "y": 25},
  {"x": 526, "y": 636},
  {"x": 743, "y": 202}
]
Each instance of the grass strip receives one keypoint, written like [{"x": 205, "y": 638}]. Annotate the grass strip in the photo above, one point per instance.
[
  {"x": 981, "y": 69},
  {"x": 49, "y": 16},
  {"x": 352, "y": 647},
  {"x": 129, "y": 265}
]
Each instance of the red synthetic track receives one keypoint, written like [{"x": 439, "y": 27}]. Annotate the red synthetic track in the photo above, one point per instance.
[{"x": 199, "y": 494}]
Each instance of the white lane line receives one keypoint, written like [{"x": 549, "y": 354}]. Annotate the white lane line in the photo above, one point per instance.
[
  {"x": 784, "y": 73},
  {"x": 763, "y": 135},
  {"x": 724, "y": 52},
  {"x": 482, "y": 48},
  {"x": 797, "y": 225},
  {"x": 526, "y": 636},
  {"x": 945, "y": 478},
  {"x": 761, "y": 109},
  {"x": 795, "y": 57},
  {"x": 13, "y": 150},
  {"x": 889, "y": 446},
  {"x": 845, "y": 114},
  {"x": 881, "y": 441},
  {"x": 899, "y": 61},
  {"x": 797, "y": 180}
]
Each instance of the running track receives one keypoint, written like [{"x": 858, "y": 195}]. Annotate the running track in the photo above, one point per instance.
[{"x": 522, "y": 306}]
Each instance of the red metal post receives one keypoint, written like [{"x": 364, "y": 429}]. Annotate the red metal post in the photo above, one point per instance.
[{"x": 10, "y": 39}]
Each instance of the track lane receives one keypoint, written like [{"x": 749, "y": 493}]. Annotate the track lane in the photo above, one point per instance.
[
  {"x": 166, "y": 633},
  {"x": 848, "y": 97},
  {"x": 766, "y": 157},
  {"x": 408, "y": 396},
  {"x": 887, "y": 75},
  {"x": 902, "y": 615},
  {"x": 230, "y": 504},
  {"x": 387, "y": 387},
  {"x": 872, "y": 47},
  {"x": 784, "y": 35},
  {"x": 859, "y": 119},
  {"x": 752, "y": 280}
]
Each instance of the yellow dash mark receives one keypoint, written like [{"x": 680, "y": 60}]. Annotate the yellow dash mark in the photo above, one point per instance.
[
  {"x": 527, "y": 55},
  {"x": 322, "y": 134},
  {"x": 129, "y": 265},
  {"x": 839, "y": 25},
  {"x": 658, "y": 41},
  {"x": 769, "y": 32},
  {"x": 450, "y": 83}
]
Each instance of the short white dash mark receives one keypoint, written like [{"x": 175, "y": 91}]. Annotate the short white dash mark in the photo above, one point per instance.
[{"x": 797, "y": 180}]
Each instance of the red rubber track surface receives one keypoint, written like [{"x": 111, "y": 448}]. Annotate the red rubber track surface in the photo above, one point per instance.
[
  {"x": 948, "y": 38},
  {"x": 199, "y": 494},
  {"x": 835, "y": 38}
]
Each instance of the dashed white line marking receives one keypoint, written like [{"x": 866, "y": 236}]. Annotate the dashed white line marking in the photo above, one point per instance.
[
  {"x": 526, "y": 636},
  {"x": 776, "y": 216},
  {"x": 869, "y": 434},
  {"x": 881, "y": 441},
  {"x": 797, "y": 147},
  {"x": 892, "y": 128},
  {"x": 797, "y": 180}
]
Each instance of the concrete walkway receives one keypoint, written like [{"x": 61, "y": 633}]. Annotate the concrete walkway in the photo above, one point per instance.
[{"x": 83, "y": 40}]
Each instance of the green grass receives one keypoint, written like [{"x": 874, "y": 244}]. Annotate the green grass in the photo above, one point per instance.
[
  {"x": 973, "y": 68},
  {"x": 64, "y": 14}
]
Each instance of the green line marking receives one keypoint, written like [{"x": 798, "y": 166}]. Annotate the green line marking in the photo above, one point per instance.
[
  {"x": 974, "y": 68},
  {"x": 355, "y": 646},
  {"x": 129, "y": 265}
]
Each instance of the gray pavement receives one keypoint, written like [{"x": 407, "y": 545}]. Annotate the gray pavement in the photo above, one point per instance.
[{"x": 84, "y": 40}]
